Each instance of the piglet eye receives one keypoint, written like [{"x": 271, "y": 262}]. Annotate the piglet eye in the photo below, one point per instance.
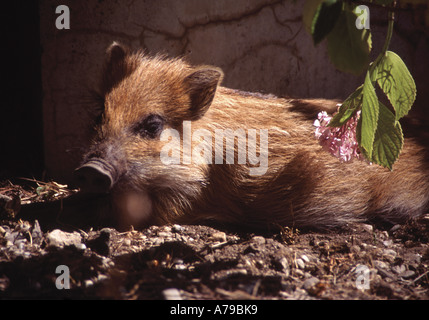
[{"x": 150, "y": 127}]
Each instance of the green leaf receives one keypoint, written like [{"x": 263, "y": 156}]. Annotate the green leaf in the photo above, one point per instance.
[
  {"x": 347, "y": 109},
  {"x": 369, "y": 116},
  {"x": 311, "y": 8},
  {"x": 397, "y": 83},
  {"x": 388, "y": 140},
  {"x": 358, "y": 138},
  {"x": 325, "y": 19},
  {"x": 349, "y": 47},
  {"x": 320, "y": 16}
]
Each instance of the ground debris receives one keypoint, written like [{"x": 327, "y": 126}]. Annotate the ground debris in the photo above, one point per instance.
[
  {"x": 200, "y": 262},
  {"x": 180, "y": 261}
]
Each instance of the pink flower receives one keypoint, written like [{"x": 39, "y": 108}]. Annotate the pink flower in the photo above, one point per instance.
[{"x": 339, "y": 141}]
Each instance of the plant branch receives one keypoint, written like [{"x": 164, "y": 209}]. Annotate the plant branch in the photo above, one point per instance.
[{"x": 391, "y": 22}]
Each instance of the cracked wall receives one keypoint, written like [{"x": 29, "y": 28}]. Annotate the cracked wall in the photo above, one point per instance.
[{"x": 260, "y": 44}]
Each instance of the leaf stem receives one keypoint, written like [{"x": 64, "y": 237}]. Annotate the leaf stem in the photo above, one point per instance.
[
  {"x": 391, "y": 18},
  {"x": 391, "y": 22}
]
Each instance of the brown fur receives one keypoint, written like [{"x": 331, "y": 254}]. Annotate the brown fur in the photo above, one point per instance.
[{"x": 304, "y": 186}]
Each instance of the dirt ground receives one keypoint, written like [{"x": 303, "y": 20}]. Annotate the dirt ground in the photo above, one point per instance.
[{"x": 41, "y": 257}]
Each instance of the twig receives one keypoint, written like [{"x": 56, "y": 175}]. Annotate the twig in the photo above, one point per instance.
[{"x": 420, "y": 276}]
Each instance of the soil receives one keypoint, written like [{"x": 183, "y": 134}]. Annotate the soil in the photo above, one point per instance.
[{"x": 192, "y": 262}]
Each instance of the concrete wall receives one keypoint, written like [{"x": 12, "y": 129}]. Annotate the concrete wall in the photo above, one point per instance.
[{"x": 260, "y": 44}]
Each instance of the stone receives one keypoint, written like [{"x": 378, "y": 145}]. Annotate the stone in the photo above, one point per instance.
[
  {"x": 368, "y": 228},
  {"x": 389, "y": 252},
  {"x": 171, "y": 294},
  {"x": 61, "y": 239},
  {"x": 408, "y": 274},
  {"x": 259, "y": 240},
  {"x": 177, "y": 228},
  {"x": 399, "y": 269},
  {"x": 380, "y": 264},
  {"x": 310, "y": 283},
  {"x": 395, "y": 227},
  {"x": 305, "y": 258},
  {"x": 300, "y": 263},
  {"x": 164, "y": 234},
  {"x": 387, "y": 243},
  {"x": 218, "y": 236}
]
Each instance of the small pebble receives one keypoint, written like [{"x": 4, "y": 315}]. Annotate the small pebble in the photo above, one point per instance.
[
  {"x": 167, "y": 229},
  {"x": 284, "y": 264},
  {"x": 60, "y": 239},
  {"x": 107, "y": 263},
  {"x": 380, "y": 264},
  {"x": 300, "y": 263},
  {"x": 399, "y": 269},
  {"x": 408, "y": 274},
  {"x": 102, "y": 277},
  {"x": 310, "y": 283},
  {"x": 80, "y": 246},
  {"x": 164, "y": 234},
  {"x": 11, "y": 236},
  {"x": 389, "y": 252},
  {"x": 88, "y": 283},
  {"x": 395, "y": 227},
  {"x": 259, "y": 240},
  {"x": 158, "y": 241},
  {"x": 366, "y": 246},
  {"x": 218, "y": 236},
  {"x": 305, "y": 258},
  {"x": 171, "y": 294},
  {"x": 387, "y": 243},
  {"x": 367, "y": 227},
  {"x": 177, "y": 228}
]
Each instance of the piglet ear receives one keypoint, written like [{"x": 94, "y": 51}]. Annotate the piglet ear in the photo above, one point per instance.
[
  {"x": 116, "y": 53},
  {"x": 202, "y": 85},
  {"x": 115, "y": 66}
]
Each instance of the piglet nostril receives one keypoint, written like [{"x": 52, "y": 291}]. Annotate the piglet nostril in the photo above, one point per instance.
[{"x": 95, "y": 176}]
